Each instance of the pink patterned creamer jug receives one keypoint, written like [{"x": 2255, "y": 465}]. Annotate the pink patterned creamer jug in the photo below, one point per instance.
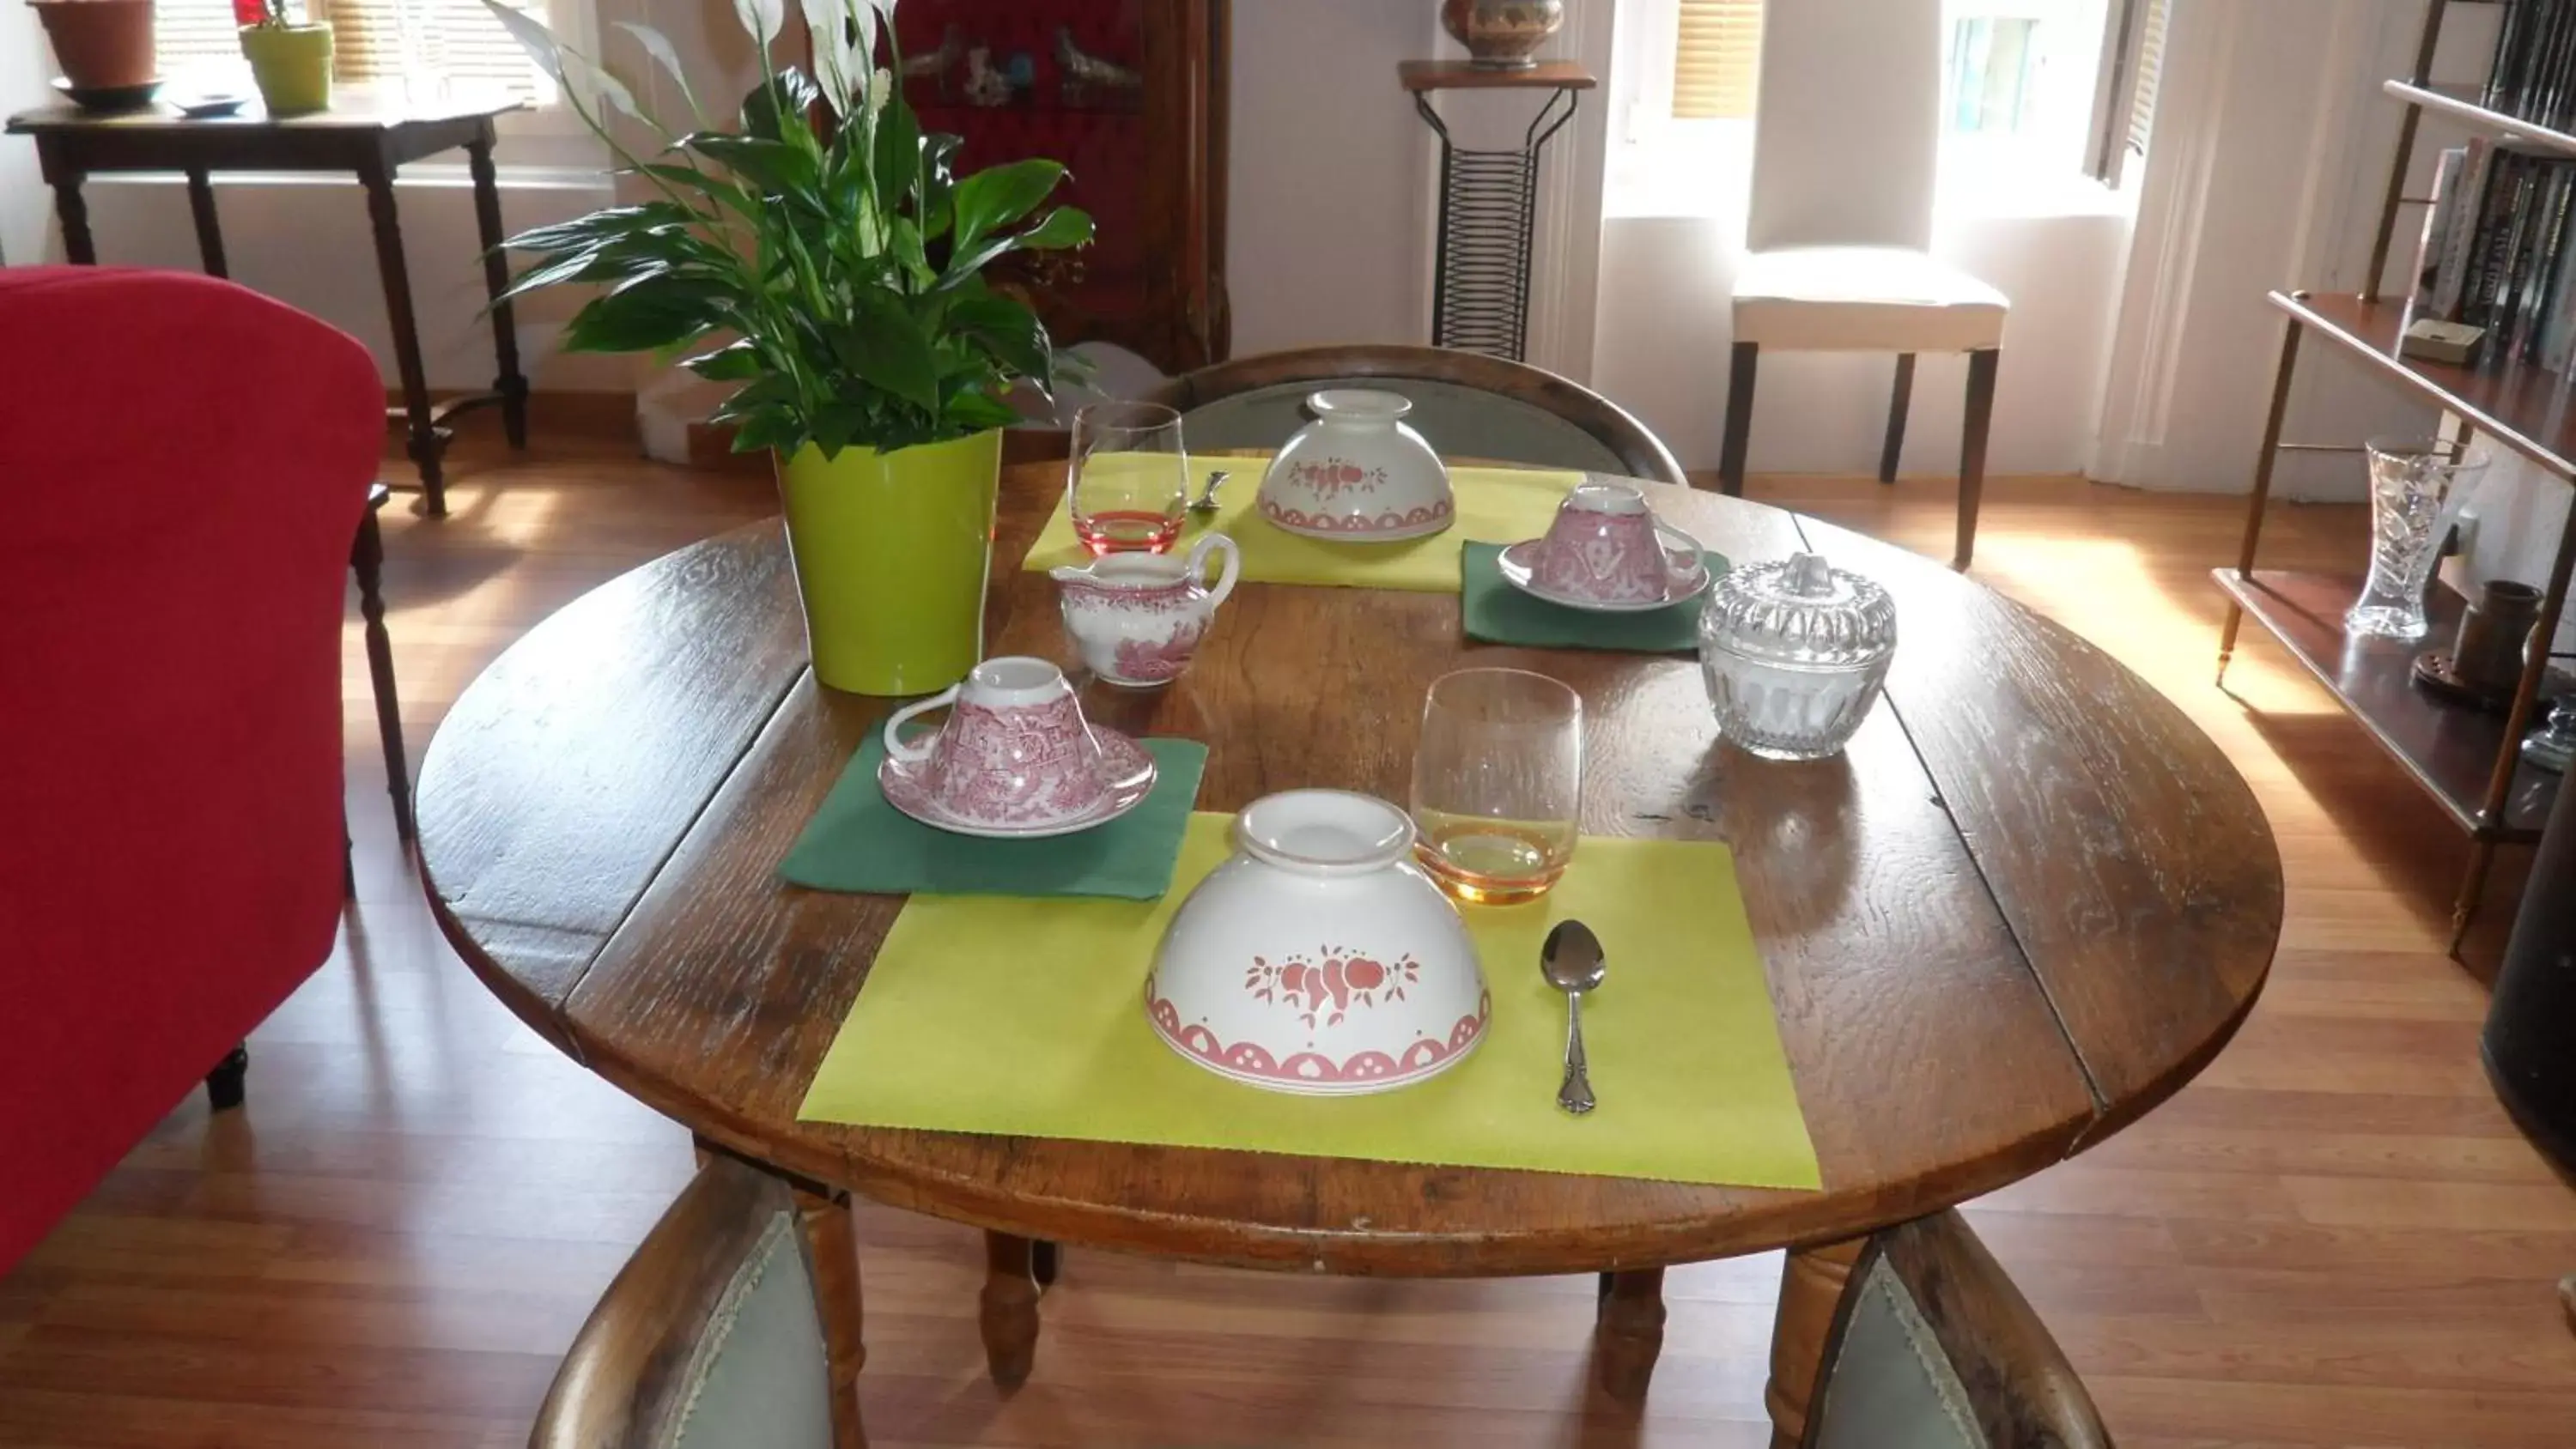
[{"x": 1137, "y": 618}]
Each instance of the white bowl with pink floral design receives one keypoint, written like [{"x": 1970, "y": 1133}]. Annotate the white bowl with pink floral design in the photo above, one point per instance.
[
  {"x": 1319, "y": 960},
  {"x": 1357, "y": 473}
]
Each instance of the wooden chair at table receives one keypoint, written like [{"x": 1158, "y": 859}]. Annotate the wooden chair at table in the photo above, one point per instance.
[
  {"x": 1465, "y": 404},
  {"x": 708, "y": 1338},
  {"x": 1838, "y": 232},
  {"x": 1932, "y": 1347}
]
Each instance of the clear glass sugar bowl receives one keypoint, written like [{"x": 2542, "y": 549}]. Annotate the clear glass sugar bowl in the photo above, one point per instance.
[{"x": 1794, "y": 653}]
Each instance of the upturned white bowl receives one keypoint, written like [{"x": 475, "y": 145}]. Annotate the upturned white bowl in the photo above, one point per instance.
[
  {"x": 1319, "y": 959},
  {"x": 1357, "y": 473}
]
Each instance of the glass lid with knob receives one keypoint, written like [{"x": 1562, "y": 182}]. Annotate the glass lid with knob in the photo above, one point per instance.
[{"x": 1794, "y": 652}]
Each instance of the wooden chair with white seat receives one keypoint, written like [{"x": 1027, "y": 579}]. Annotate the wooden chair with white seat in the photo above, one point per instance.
[{"x": 1846, "y": 144}]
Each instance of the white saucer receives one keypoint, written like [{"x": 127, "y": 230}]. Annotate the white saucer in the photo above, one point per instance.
[
  {"x": 1129, "y": 768},
  {"x": 1686, "y": 576}
]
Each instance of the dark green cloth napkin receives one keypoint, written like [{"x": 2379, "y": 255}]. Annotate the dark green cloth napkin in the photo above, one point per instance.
[
  {"x": 858, "y": 842},
  {"x": 1497, "y": 613}
]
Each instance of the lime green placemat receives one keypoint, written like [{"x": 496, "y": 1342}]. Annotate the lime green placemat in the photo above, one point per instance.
[
  {"x": 858, "y": 842},
  {"x": 1495, "y": 505},
  {"x": 1494, "y": 612},
  {"x": 1026, "y": 1017}
]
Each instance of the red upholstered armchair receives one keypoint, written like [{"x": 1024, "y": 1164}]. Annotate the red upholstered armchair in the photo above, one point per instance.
[{"x": 182, "y": 467}]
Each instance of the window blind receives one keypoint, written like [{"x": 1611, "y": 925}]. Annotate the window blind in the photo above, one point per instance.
[
  {"x": 2124, "y": 103},
  {"x": 456, "y": 41},
  {"x": 1716, "y": 58},
  {"x": 2149, "y": 66}
]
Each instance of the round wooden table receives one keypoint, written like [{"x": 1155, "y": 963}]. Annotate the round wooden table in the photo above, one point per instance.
[{"x": 2027, "y": 904}]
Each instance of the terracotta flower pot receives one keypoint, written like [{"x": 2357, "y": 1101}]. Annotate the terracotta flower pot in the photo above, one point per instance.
[
  {"x": 102, "y": 44},
  {"x": 292, "y": 64}
]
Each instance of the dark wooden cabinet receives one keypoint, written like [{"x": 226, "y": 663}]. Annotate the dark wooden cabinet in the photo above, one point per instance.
[{"x": 1131, "y": 96}]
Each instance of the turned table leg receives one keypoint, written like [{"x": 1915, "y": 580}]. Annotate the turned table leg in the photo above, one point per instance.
[
  {"x": 512, "y": 386},
  {"x": 73, "y": 213},
  {"x": 424, "y": 444},
  {"x": 825, "y": 1218},
  {"x": 1010, "y": 1317},
  {"x": 1630, "y": 1333},
  {"x": 1810, "y": 1286}
]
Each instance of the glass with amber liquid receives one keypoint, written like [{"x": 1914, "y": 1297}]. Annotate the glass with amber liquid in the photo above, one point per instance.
[
  {"x": 1130, "y": 484},
  {"x": 1498, "y": 784}
]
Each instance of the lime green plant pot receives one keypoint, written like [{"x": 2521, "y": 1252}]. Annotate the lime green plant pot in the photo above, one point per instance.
[
  {"x": 292, "y": 64},
  {"x": 891, "y": 553}
]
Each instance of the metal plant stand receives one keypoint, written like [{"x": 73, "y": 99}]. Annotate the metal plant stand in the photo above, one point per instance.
[{"x": 1488, "y": 204}]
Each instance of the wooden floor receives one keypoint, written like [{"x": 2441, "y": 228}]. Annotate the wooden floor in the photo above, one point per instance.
[{"x": 2333, "y": 1238}]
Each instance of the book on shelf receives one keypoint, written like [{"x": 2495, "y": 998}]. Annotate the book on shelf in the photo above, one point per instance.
[
  {"x": 2533, "y": 74},
  {"x": 2493, "y": 255}
]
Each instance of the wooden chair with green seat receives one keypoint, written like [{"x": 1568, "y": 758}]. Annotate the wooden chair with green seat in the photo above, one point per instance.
[
  {"x": 1465, "y": 404},
  {"x": 1932, "y": 1347},
  {"x": 709, "y": 1338}
]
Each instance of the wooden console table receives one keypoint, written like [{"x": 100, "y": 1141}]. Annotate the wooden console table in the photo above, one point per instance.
[{"x": 364, "y": 132}]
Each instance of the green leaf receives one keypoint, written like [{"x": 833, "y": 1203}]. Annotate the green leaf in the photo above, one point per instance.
[
  {"x": 770, "y": 428},
  {"x": 898, "y": 156},
  {"x": 774, "y": 166},
  {"x": 907, "y": 248},
  {"x": 974, "y": 411},
  {"x": 714, "y": 188},
  {"x": 654, "y": 312},
  {"x": 1063, "y": 227},
  {"x": 733, "y": 362},
  {"x": 839, "y": 425},
  {"x": 769, "y": 390},
  {"x": 1066, "y": 226},
  {"x": 600, "y": 226},
  {"x": 998, "y": 196},
  {"x": 888, "y": 348},
  {"x": 1010, "y": 332},
  {"x": 790, "y": 93}
]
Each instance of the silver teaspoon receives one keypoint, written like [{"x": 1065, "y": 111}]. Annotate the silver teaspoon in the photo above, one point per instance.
[
  {"x": 1206, "y": 501},
  {"x": 1571, "y": 961}
]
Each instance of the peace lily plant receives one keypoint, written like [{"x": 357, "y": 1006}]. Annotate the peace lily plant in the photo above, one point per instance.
[{"x": 818, "y": 253}]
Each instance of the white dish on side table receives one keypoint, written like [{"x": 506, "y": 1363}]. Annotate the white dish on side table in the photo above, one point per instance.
[{"x": 1319, "y": 960}]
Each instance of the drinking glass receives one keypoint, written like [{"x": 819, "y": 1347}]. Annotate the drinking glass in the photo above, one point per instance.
[
  {"x": 1498, "y": 783},
  {"x": 2417, "y": 488},
  {"x": 1131, "y": 480}
]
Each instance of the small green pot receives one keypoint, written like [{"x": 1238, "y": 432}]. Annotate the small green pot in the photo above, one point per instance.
[
  {"x": 292, "y": 64},
  {"x": 891, "y": 554}
]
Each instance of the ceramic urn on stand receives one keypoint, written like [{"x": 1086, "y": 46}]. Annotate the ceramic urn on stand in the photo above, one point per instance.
[{"x": 1503, "y": 34}]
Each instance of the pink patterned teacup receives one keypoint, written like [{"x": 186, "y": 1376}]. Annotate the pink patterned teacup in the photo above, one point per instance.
[
  {"x": 1605, "y": 547},
  {"x": 1138, "y": 617},
  {"x": 1015, "y": 751}
]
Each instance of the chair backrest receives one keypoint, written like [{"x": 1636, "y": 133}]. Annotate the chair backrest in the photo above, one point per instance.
[
  {"x": 1465, "y": 404},
  {"x": 1933, "y": 1348},
  {"x": 709, "y": 1338},
  {"x": 183, "y": 464},
  {"x": 1846, "y": 125}
]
